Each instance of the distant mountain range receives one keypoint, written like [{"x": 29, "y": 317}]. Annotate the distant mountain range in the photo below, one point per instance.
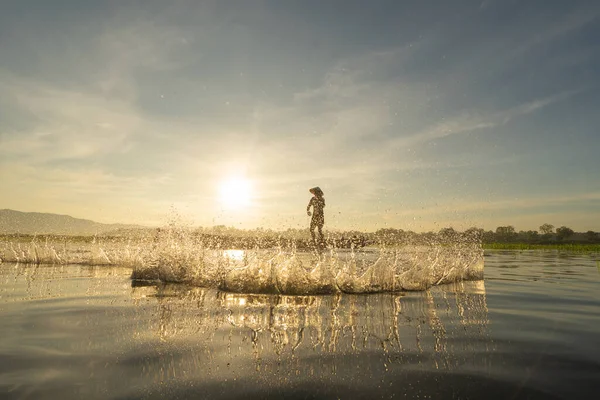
[{"x": 12, "y": 221}]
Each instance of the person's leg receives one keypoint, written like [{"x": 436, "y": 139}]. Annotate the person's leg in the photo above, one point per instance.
[
  {"x": 312, "y": 230},
  {"x": 321, "y": 232}
]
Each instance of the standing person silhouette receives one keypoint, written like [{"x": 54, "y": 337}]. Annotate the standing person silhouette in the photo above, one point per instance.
[{"x": 318, "y": 217}]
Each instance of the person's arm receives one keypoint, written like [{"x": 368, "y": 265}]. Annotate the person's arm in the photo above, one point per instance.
[{"x": 308, "y": 207}]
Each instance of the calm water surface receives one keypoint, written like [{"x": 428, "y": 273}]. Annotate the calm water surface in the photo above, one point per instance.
[{"x": 530, "y": 329}]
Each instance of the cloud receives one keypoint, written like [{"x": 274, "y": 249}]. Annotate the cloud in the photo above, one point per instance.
[
  {"x": 167, "y": 100},
  {"x": 523, "y": 213},
  {"x": 485, "y": 4},
  {"x": 552, "y": 31},
  {"x": 475, "y": 120},
  {"x": 515, "y": 204},
  {"x": 85, "y": 192},
  {"x": 69, "y": 124}
]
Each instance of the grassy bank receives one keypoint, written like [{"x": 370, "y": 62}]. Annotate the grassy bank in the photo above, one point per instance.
[{"x": 577, "y": 247}]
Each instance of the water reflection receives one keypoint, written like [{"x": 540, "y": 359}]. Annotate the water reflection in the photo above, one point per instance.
[
  {"x": 340, "y": 323},
  {"x": 235, "y": 255},
  {"x": 95, "y": 322},
  {"x": 76, "y": 332}
]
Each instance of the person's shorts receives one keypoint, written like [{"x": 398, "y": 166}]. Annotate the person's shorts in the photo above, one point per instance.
[{"x": 317, "y": 221}]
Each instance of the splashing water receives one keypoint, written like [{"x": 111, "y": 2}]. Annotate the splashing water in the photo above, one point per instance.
[{"x": 174, "y": 256}]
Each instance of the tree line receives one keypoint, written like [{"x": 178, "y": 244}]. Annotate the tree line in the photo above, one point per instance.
[
  {"x": 547, "y": 233},
  {"x": 222, "y": 236}
]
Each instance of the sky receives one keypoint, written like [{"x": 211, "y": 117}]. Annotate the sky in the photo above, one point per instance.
[{"x": 408, "y": 114}]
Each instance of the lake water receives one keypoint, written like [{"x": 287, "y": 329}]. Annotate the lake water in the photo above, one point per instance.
[{"x": 530, "y": 329}]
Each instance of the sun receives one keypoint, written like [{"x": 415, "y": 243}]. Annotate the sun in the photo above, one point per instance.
[{"x": 235, "y": 193}]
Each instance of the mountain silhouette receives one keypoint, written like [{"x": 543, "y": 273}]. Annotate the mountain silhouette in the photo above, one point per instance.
[{"x": 12, "y": 221}]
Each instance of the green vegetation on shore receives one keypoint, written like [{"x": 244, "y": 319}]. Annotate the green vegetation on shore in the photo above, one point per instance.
[{"x": 575, "y": 247}]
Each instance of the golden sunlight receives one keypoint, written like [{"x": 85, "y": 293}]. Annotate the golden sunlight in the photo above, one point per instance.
[{"x": 235, "y": 193}]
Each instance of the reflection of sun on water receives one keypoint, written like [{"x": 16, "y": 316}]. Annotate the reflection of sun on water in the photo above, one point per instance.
[
  {"x": 236, "y": 255},
  {"x": 235, "y": 193}
]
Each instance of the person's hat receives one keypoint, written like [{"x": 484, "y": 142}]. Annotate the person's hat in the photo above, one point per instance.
[{"x": 316, "y": 190}]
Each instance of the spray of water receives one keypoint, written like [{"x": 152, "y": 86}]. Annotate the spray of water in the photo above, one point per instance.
[{"x": 174, "y": 255}]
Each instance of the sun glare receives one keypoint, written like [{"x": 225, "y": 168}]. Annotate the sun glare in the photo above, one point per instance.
[{"x": 235, "y": 193}]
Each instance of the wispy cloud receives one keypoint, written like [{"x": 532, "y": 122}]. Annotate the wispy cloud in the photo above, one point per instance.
[
  {"x": 89, "y": 191},
  {"x": 506, "y": 204},
  {"x": 169, "y": 101},
  {"x": 69, "y": 124},
  {"x": 578, "y": 209},
  {"x": 548, "y": 32},
  {"x": 468, "y": 122}
]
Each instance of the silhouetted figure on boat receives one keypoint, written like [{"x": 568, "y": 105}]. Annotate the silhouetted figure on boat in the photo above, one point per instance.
[{"x": 317, "y": 202}]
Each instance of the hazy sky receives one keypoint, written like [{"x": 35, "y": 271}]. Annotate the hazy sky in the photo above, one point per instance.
[{"x": 409, "y": 114}]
